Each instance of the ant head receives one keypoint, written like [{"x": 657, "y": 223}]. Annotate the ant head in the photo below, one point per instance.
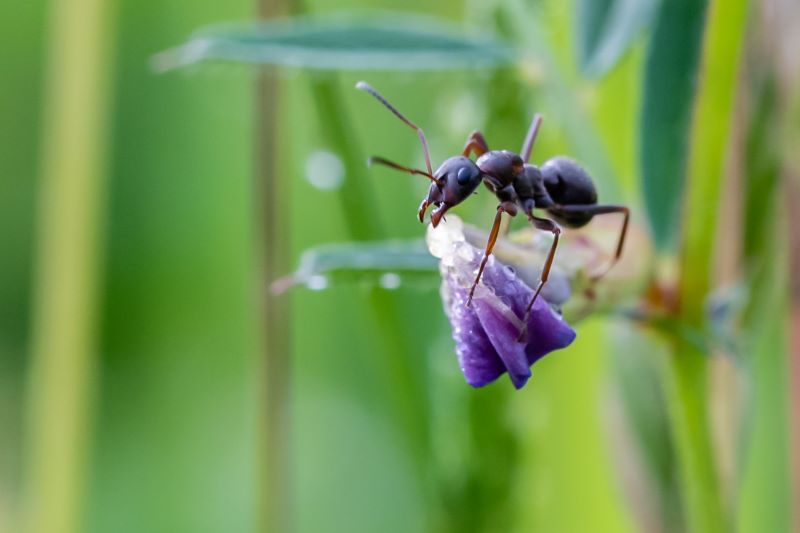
[
  {"x": 567, "y": 183},
  {"x": 455, "y": 180}
]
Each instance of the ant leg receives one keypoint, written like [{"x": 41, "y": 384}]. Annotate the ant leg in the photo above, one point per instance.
[
  {"x": 602, "y": 210},
  {"x": 527, "y": 146},
  {"x": 490, "y": 246},
  {"x": 475, "y": 143},
  {"x": 543, "y": 224}
]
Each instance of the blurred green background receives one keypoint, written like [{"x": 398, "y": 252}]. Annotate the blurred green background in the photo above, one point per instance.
[{"x": 151, "y": 381}]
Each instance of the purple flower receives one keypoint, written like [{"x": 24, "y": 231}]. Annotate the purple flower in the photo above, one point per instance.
[{"x": 486, "y": 332}]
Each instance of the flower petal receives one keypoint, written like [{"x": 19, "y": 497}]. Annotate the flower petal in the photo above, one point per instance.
[
  {"x": 477, "y": 357},
  {"x": 486, "y": 333},
  {"x": 503, "y": 331}
]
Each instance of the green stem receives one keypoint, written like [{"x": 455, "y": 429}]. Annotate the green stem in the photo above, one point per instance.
[
  {"x": 276, "y": 342},
  {"x": 687, "y": 374},
  {"x": 67, "y": 266},
  {"x": 724, "y": 33},
  {"x": 725, "y": 28}
]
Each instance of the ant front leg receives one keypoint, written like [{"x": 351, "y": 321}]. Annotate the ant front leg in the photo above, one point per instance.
[
  {"x": 475, "y": 143},
  {"x": 601, "y": 210},
  {"x": 543, "y": 224},
  {"x": 505, "y": 207}
]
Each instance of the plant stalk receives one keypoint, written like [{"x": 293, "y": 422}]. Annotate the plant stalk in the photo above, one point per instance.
[
  {"x": 67, "y": 276},
  {"x": 722, "y": 41}
]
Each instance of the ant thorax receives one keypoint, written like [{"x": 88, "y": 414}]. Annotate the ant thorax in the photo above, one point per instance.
[{"x": 501, "y": 167}]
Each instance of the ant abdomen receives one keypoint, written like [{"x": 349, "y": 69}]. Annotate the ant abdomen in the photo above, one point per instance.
[{"x": 567, "y": 183}]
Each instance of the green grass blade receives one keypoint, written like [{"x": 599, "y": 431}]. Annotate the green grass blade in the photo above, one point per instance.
[
  {"x": 669, "y": 90},
  {"x": 591, "y": 20},
  {"x": 606, "y": 29},
  {"x": 381, "y": 262},
  {"x": 709, "y": 137},
  {"x": 382, "y": 42}
]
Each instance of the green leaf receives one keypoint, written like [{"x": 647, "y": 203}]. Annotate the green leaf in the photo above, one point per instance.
[
  {"x": 669, "y": 88},
  {"x": 591, "y": 21},
  {"x": 359, "y": 261},
  {"x": 765, "y": 458},
  {"x": 380, "y": 42},
  {"x": 607, "y": 28}
]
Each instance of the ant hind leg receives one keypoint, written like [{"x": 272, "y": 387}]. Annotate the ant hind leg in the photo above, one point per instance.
[
  {"x": 543, "y": 224},
  {"x": 602, "y": 210},
  {"x": 530, "y": 137}
]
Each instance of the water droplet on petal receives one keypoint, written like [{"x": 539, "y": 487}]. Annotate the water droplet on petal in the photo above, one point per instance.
[{"x": 324, "y": 170}]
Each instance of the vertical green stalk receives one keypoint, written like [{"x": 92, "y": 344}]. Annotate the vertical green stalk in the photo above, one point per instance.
[
  {"x": 67, "y": 265},
  {"x": 722, "y": 41},
  {"x": 275, "y": 506},
  {"x": 725, "y": 29},
  {"x": 272, "y": 210}
]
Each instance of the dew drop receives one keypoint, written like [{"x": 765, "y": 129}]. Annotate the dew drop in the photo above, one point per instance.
[
  {"x": 390, "y": 281},
  {"x": 324, "y": 170},
  {"x": 317, "y": 282}
]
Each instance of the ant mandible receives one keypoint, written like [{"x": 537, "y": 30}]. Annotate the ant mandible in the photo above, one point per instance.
[{"x": 560, "y": 187}]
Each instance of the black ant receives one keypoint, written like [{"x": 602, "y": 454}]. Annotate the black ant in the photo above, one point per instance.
[{"x": 560, "y": 187}]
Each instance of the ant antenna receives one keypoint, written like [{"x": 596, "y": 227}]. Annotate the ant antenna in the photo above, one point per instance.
[
  {"x": 385, "y": 162},
  {"x": 364, "y": 86},
  {"x": 527, "y": 146}
]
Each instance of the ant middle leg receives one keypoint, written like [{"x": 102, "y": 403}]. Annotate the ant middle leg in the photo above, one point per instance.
[{"x": 475, "y": 143}]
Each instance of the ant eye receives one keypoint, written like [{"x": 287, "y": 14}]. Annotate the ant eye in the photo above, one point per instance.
[{"x": 464, "y": 175}]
